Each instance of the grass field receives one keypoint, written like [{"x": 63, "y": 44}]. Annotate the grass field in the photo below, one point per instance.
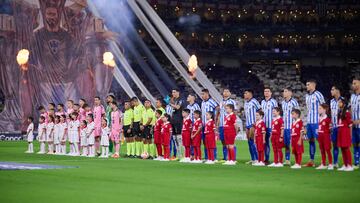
[{"x": 134, "y": 180}]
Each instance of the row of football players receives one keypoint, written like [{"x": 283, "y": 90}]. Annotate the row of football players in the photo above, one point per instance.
[
  {"x": 83, "y": 128},
  {"x": 314, "y": 99}
]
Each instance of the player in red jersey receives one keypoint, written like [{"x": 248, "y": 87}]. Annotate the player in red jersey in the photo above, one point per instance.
[
  {"x": 277, "y": 137},
  {"x": 210, "y": 140},
  {"x": 344, "y": 135},
  {"x": 324, "y": 138},
  {"x": 166, "y": 131},
  {"x": 297, "y": 145},
  {"x": 186, "y": 134},
  {"x": 230, "y": 133},
  {"x": 157, "y": 135},
  {"x": 196, "y": 137},
  {"x": 260, "y": 131}
]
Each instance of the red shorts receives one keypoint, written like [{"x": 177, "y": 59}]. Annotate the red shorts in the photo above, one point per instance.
[
  {"x": 165, "y": 139},
  {"x": 275, "y": 141},
  {"x": 324, "y": 141},
  {"x": 196, "y": 141},
  {"x": 115, "y": 135},
  {"x": 344, "y": 138},
  {"x": 186, "y": 138},
  {"x": 259, "y": 140},
  {"x": 229, "y": 136},
  {"x": 210, "y": 141},
  {"x": 296, "y": 149},
  {"x": 157, "y": 138}
]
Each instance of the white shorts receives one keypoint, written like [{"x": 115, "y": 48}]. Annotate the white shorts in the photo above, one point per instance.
[
  {"x": 91, "y": 140},
  {"x": 74, "y": 137},
  {"x": 49, "y": 137},
  {"x": 30, "y": 138},
  {"x": 41, "y": 138},
  {"x": 104, "y": 141},
  {"x": 63, "y": 138},
  {"x": 83, "y": 141},
  {"x": 56, "y": 139}
]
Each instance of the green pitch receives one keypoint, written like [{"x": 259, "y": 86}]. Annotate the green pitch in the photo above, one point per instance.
[{"x": 134, "y": 180}]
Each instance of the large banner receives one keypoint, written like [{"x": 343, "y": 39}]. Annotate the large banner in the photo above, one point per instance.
[{"x": 66, "y": 45}]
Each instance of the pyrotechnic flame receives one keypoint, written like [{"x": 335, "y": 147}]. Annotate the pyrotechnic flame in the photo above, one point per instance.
[
  {"x": 108, "y": 59},
  {"x": 22, "y": 57},
  {"x": 192, "y": 64}
]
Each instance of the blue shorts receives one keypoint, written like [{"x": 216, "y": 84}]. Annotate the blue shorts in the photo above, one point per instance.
[
  {"x": 312, "y": 131},
  {"x": 287, "y": 137},
  {"x": 249, "y": 126},
  {"x": 221, "y": 133},
  {"x": 334, "y": 134},
  {"x": 356, "y": 135}
]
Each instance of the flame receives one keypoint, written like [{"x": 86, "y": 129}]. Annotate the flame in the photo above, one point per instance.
[
  {"x": 192, "y": 64},
  {"x": 108, "y": 59},
  {"x": 112, "y": 63},
  {"x": 22, "y": 57}
]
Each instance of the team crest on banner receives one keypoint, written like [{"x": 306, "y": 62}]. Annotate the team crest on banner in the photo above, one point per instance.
[{"x": 54, "y": 45}]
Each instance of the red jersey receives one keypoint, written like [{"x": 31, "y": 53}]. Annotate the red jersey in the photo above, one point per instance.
[
  {"x": 157, "y": 131},
  {"x": 229, "y": 124},
  {"x": 296, "y": 128},
  {"x": 324, "y": 126},
  {"x": 344, "y": 131},
  {"x": 277, "y": 125},
  {"x": 157, "y": 126},
  {"x": 209, "y": 131},
  {"x": 197, "y": 125},
  {"x": 186, "y": 127},
  {"x": 210, "y": 127},
  {"x": 196, "y": 141},
  {"x": 260, "y": 128},
  {"x": 166, "y": 131}
]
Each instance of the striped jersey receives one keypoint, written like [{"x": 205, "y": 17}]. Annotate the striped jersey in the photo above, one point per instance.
[
  {"x": 355, "y": 108},
  {"x": 287, "y": 107},
  {"x": 223, "y": 103},
  {"x": 267, "y": 106},
  {"x": 206, "y": 106},
  {"x": 169, "y": 109},
  {"x": 193, "y": 107},
  {"x": 251, "y": 107},
  {"x": 334, "y": 107},
  {"x": 313, "y": 101}
]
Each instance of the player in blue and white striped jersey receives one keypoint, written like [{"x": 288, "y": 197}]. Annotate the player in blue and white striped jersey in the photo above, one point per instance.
[
  {"x": 313, "y": 100},
  {"x": 169, "y": 109},
  {"x": 192, "y": 106},
  {"x": 208, "y": 104},
  {"x": 355, "y": 114},
  {"x": 334, "y": 107},
  {"x": 250, "y": 107},
  {"x": 221, "y": 116},
  {"x": 288, "y": 104},
  {"x": 267, "y": 106}
]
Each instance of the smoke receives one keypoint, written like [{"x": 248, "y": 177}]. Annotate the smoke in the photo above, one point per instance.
[{"x": 116, "y": 14}]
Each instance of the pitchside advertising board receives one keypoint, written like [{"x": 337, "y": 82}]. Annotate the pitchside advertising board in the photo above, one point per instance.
[{"x": 14, "y": 136}]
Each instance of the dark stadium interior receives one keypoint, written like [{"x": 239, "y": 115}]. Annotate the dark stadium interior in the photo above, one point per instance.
[{"x": 317, "y": 39}]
